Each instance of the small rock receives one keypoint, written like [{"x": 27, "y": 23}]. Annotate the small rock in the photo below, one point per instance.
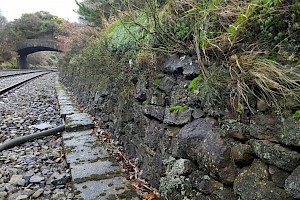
[
  {"x": 172, "y": 131},
  {"x": 278, "y": 176},
  {"x": 292, "y": 183},
  {"x": 141, "y": 92},
  {"x": 58, "y": 196},
  {"x": 242, "y": 154},
  {"x": 179, "y": 117},
  {"x": 56, "y": 154},
  {"x": 22, "y": 197},
  {"x": 166, "y": 84},
  {"x": 253, "y": 183},
  {"x": 275, "y": 154},
  {"x": 36, "y": 179},
  {"x": 15, "y": 179},
  {"x": 42, "y": 126},
  {"x": 156, "y": 112},
  {"x": 38, "y": 193},
  {"x": 3, "y": 195},
  {"x": 197, "y": 113}
]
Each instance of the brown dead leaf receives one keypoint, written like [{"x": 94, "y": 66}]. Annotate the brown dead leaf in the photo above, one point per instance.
[{"x": 149, "y": 196}]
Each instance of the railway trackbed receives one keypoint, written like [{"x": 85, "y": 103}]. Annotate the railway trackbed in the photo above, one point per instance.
[{"x": 13, "y": 80}]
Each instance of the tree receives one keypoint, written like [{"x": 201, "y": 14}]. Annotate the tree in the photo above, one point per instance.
[
  {"x": 3, "y": 21},
  {"x": 36, "y": 25}
]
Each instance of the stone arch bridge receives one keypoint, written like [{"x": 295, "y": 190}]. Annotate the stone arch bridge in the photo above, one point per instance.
[{"x": 34, "y": 45}]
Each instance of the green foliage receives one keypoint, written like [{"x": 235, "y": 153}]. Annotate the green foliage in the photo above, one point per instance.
[
  {"x": 194, "y": 84},
  {"x": 273, "y": 22},
  {"x": 178, "y": 108},
  {"x": 126, "y": 37},
  {"x": 296, "y": 116},
  {"x": 229, "y": 34},
  {"x": 37, "y": 24},
  {"x": 156, "y": 82},
  {"x": 90, "y": 14}
]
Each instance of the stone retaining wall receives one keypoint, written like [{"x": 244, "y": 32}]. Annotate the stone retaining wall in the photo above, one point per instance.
[{"x": 192, "y": 153}]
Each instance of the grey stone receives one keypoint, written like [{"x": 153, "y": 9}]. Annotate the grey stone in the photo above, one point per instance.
[
  {"x": 67, "y": 110},
  {"x": 141, "y": 92},
  {"x": 84, "y": 170},
  {"x": 275, "y": 129},
  {"x": 203, "y": 143},
  {"x": 158, "y": 99},
  {"x": 166, "y": 84},
  {"x": 204, "y": 183},
  {"x": 83, "y": 147},
  {"x": 172, "y": 131},
  {"x": 3, "y": 195},
  {"x": 61, "y": 179},
  {"x": 253, "y": 183},
  {"x": 42, "y": 126},
  {"x": 275, "y": 154},
  {"x": 36, "y": 179},
  {"x": 278, "y": 176},
  {"x": 156, "y": 112},
  {"x": 292, "y": 183},
  {"x": 105, "y": 189},
  {"x": 182, "y": 167},
  {"x": 197, "y": 113},
  {"x": 186, "y": 65},
  {"x": 22, "y": 197},
  {"x": 15, "y": 179},
  {"x": 78, "y": 121},
  {"x": 58, "y": 196},
  {"x": 224, "y": 194},
  {"x": 242, "y": 154},
  {"x": 38, "y": 193},
  {"x": 191, "y": 69},
  {"x": 179, "y": 117}
]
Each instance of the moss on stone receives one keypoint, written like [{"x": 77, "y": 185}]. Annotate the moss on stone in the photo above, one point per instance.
[
  {"x": 128, "y": 194},
  {"x": 102, "y": 194},
  {"x": 69, "y": 149},
  {"x": 296, "y": 116},
  {"x": 195, "y": 83},
  {"x": 110, "y": 184},
  {"x": 178, "y": 108},
  {"x": 98, "y": 177},
  {"x": 119, "y": 188}
]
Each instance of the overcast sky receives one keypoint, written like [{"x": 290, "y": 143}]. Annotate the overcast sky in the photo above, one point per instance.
[{"x": 13, "y": 9}]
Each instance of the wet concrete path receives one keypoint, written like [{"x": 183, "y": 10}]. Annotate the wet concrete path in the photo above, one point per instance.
[{"x": 95, "y": 175}]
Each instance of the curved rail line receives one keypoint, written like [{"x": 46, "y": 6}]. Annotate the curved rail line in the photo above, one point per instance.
[{"x": 19, "y": 83}]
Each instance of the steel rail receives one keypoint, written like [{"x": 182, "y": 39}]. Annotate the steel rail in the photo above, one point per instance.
[
  {"x": 22, "y": 73},
  {"x": 2, "y": 91}
]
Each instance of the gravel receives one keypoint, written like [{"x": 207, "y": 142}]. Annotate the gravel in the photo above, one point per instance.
[
  {"x": 37, "y": 169},
  {"x": 11, "y": 80}
]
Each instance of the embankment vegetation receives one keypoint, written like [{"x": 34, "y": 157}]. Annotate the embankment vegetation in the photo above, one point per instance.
[{"x": 247, "y": 51}]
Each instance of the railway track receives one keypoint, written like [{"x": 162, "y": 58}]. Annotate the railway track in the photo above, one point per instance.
[
  {"x": 14, "y": 79},
  {"x": 35, "y": 169},
  {"x": 9, "y": 73}
]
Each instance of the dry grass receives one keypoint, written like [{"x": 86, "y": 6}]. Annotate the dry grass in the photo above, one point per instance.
[{"x": 263, "y": 79}]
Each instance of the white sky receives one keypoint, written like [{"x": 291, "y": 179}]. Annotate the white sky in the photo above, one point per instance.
[{"x": 13, "y": 9}]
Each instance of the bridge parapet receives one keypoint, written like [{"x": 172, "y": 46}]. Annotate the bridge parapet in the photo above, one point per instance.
[{"x": 39, "y": 43}]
